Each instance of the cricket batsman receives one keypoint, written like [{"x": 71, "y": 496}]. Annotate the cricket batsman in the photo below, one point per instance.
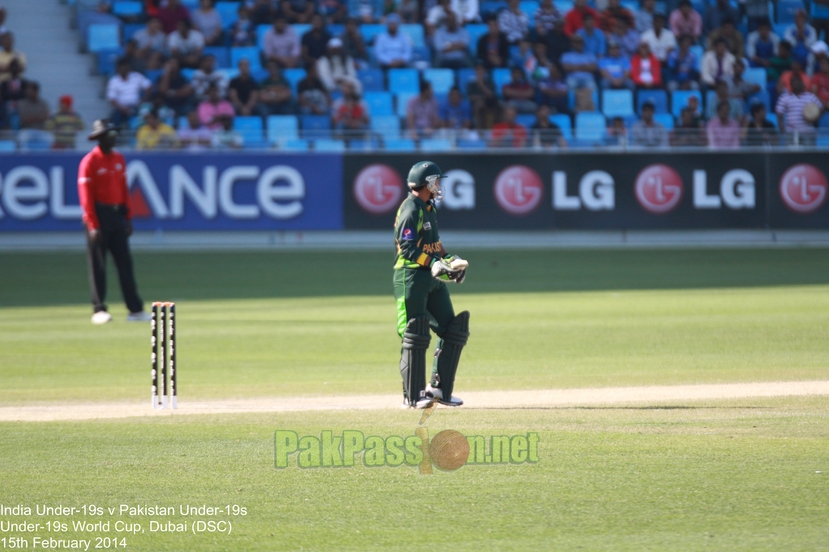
[{"x": 421, "y": 273}]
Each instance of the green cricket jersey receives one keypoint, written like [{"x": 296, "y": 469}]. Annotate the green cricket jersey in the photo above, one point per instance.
[{"x": 416, "y": 234}]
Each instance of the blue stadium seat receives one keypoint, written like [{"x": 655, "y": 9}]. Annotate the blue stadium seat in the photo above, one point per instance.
[
  {"x": 471, "y": 144},
  {"x": 665, "y": 119},
  {"x": 249, "y": 52},
  {"x": 818, "y": 11},
  {"x": 529, "y": 7},
  {"x": 632, "y": 5},
  {"x": 590, "y": 127},
  {"x": 525, "y": 120},
  {"x": 404, "y": 80},
  {"x": 370, "y": 31},
  {"x": 103, "y": 36},
  {"x": 294, "y": 144},
  {"x": 228, "y": 11},
  {"x": 617, "y": 103},
  {"x": 780, "y": 28},
  {"x": 565, "y": 124},
  {"x": 107, "y": 59},
  {"x": 300, "y": 29},
  {"x": 372, "y": 144},
  {"x": 571, "y": 99},
  {"x": 293, "y": 76},
  {"x": 435, "y": 144},
  {"x": 403, "y": 102},
  {"x": 8, "y": 146},
  {"x": 757, "y": 75},
  {"x": 400, "y": 144},
  {"x": 823, "y": 140},
  {"x": 698, "y": 51},
  {"x": 260, "y": 35},
  {"x": 563, "y": 6},
  {"x": 282, "y": 128},
  {"x": 129, "y": 30},
  {"x": 251, "y": 130},
  {"x": 823, "y": 122},
  {"x": 492, "y": 6},
  {"x": 760, "y": 97},
  {"x": 379, "y": 103},
  {"x": 442, "y": 79},
  {"x": 475, "y": 32},
  {"x": 126, "y": 8},
  {"x": 679, "y": 99},
  {"x": 221, "y": 54},
  {"x": 465, "y": 76},
  {"x": 191, "y": 4},
  {"x": 658, "y": 97},
  {"x": 372, "y": 80},
  {"x": 315, "y": 126},
  {"x": 772, "y": 118},
  {"x": 336, "y": 29},
  {"x": 500, "y": 77},
  {"x": 387, "y": 126},
  {"x": 229, "y": 74},
  {"x": 415, "y": 32},
  {"x": 325, "y": 144}
]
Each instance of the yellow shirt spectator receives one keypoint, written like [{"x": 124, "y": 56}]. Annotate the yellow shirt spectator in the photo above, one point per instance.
[{"x": 156, "y": 135}]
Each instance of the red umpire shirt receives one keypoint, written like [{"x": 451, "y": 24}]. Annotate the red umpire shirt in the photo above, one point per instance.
[{"x": 102, "y": 179}]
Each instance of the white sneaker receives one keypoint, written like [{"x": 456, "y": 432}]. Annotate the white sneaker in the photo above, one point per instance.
[
  {"x": 436, "y": 393},
  {"x": 139, "y": 317},
  {"x": 101, "y": 317},
  {"x": 422, "y": 402}
]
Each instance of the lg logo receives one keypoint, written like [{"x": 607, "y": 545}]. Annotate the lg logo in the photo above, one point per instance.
[
  {"x": 518, "y": 190},
  {"x": 378, "y": 189},
  {"x": 803, "y": 189},
  {"x": 658, "y": 189}
]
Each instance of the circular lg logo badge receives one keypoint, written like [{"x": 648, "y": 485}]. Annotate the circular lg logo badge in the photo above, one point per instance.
[
  {"x": 518, "y": 190},
  {"x": 803, "y": 188},
  {"x": 658, "y": 189},
  {"x": 378, "y": 189}
]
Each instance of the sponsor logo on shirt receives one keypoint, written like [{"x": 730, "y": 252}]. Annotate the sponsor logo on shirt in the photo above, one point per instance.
[
  {"x": 408, "y": 234},
  {"x": 427, "y": 225}
]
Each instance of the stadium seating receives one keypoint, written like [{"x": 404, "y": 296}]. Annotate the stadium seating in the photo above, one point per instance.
[
  {"x": 415, "y": 33},
  {"x": 324, "y": 144},
  {"x": 251, "y": 53},
  {"x": 103, "y": 36},
  {"x": 665, "y": 119},
  {"x": 465, "y": 76},
  {"x": 251, "y": 130},
  {"x": 757, "y": 75},
  {"x": 107, "y": 59},
  {"x": 658, "y": 97},
  {"x": 379, "y": 103},
  {"x": 370, "y": 31},
  {"x": 442, "y": 80},
  {"x": 526, "y": 120},
  {"x": 295, "y": 144},
  {"x": 565, "y": 124},
  {"x": 590, "y": 127},
  {"x": 617, "y": 103},
  {"x": 403, "y": 102},
  {"x": 293, "y": 76},
  {"x": 435, "y": 144},
  {"x": 404, "y": 80},
  {"x": 315, "y": 126},
  {"x": 228, "y": 12},
  {"x": 372, "y": 80},
  {"x": 387, "y": 126},
  {"x": 679, "y": 99},
  {"x": 400, "y": 144},
  {"x": 124, "y": 8},
  {"x": 282, "y": 128},
  {"x": 8, "y": 146},
  {"x": 221, "y": 54},
  {"x": 475, "y": 32},
  {"x": 500, "y": 77}
]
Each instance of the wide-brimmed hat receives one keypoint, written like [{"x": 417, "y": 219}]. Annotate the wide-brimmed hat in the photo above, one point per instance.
[{"x": 101, "y": 127}]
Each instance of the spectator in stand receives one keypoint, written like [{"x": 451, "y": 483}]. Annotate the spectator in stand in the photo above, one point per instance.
[
  {"x": 681, "y": 67},
  {"x": 616, "y": 134},
  {"x": 195, "y": 136},
  {"x": 686, "y": 21},
  {"x": 178, "y": 93},
  {"x": 732, "y": 36},
  {"x": 156, "y": 101},
  {"x": 661, "y": 41},
  {"x": 367, "y": 11},
  {"x": 508, "y": 133},
  {"x": 353, "y": 44},
  {"x": 335, "y": 69},
  {"x": 243, "y": 91},
  {"x": 759, "y": 131},
  {"x": 645, "y": 69},
  {"x": 717, "y": 63},
  {"x": 280, "y": 44},
  {"x": 209, "y": 23},
  {"x": 689, "y": 133},
  {"x": 243, "y": 31},
  {"x": 131, "y": 54},
  {"x": 801, "y": 36},
  {"x": 297, "y": 11},
  {"x": 452, "y": 45},
  {"x": 454, "y": 113},
  {"x": 8, "y": 54},
  {"x": 545, "y": 17},
  {"x": 33, "y": 111},
  {"x": 579, "y": 66},
  {"x": 556, "y": 41},
  {"x": 125, "y": 91},
  {"x": 467, "y": 11},
  {"x": 65, "y": 124},
  {"x": 644, "y": 16},
  {"x": 780, "y": 63},
  {"x": 535, "y": 66},
  {"x": 785, "y": 80},
  {"x": 392, "y": 48},
  {"x": 574, "y": 20},
  {"x": 334, "y": 11},
  {"x": 716, "y": 14},
  {"x": 615, "y": 68},
  {"x": 735, "y": 105},
  {"x": 261, "y": 12},
  {"x": 626, "y": 38},
  {"x": 738, "y": 87},
  {"x": 226, "y": 137},
  {"x": 553, "y": 91},
  {"x": 11, "y": 92},
  {"x": 723, "y": 131},
  {"x": 789, "y": 111},
  {"x": 493, "y": 47},
  {"x": 171, "y": 14},
  {"x": 422, "y": 113},
  {"x": 820, "y": 82},
  {"x": 206, "y": 76},
  {"x": 213, "y": 109},
  {"x": 315, "y": 41},
  {"x": 761, "y": 45},
  {"x": 594, "y": 40},
  {"x": 152, "y": 43},
  {"x": 615, "y": 11},
  {"x": 518, "y": 92},
  {"x": 647, "y": 132},
  {"x": 755, "y": 11},
  {"x": 155, "y": 134},
  {"x": 350, "y": 114},
  {"x": 313, "y": 97},
  {"x": 513, "y": 22},
  {"x": 545, "y": 133},
  {"x": 186, "y": 44},
  {"x": 480, "y": 91},
  {"x": 276, "y": 94},
  {"x": 436, "y": 16}
]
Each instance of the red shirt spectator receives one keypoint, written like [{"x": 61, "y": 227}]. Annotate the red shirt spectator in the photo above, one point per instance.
[
  {"x": 102, "y": 178},
  {"x": 645, "y": 70},
  {"x": 820, "y": 82},
  {"x": 574, "y": 20},
  {"x": 171, "y": 14},
  {"x": 508, "y": 133},
  {"x": 613, "y": 12}
]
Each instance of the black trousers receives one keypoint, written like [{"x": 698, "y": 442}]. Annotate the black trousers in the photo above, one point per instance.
[{"x": 112, "y": 237}]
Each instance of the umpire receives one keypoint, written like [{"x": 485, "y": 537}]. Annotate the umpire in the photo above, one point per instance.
[
  {"x": 102, "y": 188},
  {"x": 420, "y": 275}
]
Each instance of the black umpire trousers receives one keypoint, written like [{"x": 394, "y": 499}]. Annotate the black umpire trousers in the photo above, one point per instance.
[{"x": 112, "y": 237}]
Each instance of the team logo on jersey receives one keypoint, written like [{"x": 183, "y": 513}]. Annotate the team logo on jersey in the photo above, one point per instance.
[
  {"x": 408, "y": 234},
  {"x": 427, "y": 225},
  {"x": 378, "y": 189},
  {"x": 658, "y": 189},
  {"x": 803, "y": 188},
  {"x": 518, "y": 190}
]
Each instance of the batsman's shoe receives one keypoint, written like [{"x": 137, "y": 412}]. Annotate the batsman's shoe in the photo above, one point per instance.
[
  {"x": 437, "y": 395},
  {"x": 101, "y": 317},
  {"x": 423, "y": 402},
  {"x": 139, "y": 317}
]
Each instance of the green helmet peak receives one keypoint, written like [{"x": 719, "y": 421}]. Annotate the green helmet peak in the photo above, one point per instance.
[{"x": 426, "y": 173}]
